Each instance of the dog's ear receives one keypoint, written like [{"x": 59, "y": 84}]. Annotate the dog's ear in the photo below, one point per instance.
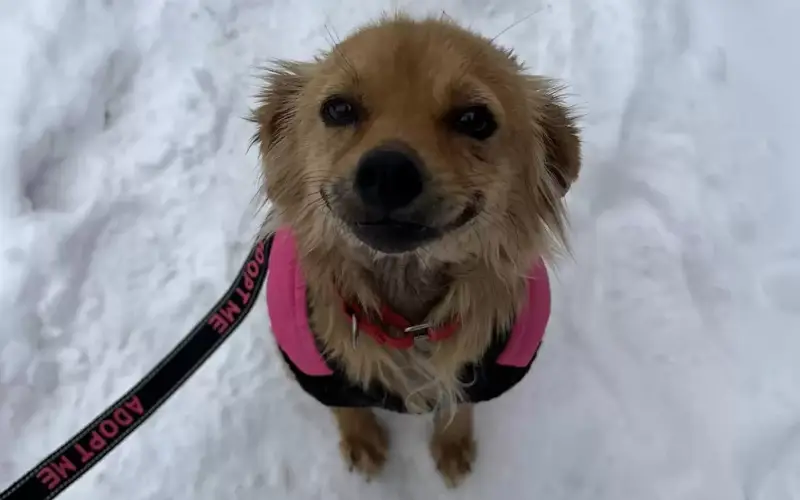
[
  {"x": 561, "y": 137},
  {"x": 277, "y": 101}
]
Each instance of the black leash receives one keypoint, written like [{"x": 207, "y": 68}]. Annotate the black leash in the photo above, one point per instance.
[{"x": 72, "y": 460}]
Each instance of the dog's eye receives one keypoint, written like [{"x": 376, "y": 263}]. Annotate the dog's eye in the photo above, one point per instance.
[
  {"x": 338, "y": 111},
  {"x": 474, "y": 121}
]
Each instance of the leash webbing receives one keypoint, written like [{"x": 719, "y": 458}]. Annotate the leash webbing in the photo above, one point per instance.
[{"x": 86, "y": 448}]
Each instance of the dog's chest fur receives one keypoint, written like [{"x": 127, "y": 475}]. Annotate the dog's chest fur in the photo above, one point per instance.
[
  {"x": 428, "y": 375},
  {"x": 411, "y": 288},
  {"x": 409, "y": 285}
]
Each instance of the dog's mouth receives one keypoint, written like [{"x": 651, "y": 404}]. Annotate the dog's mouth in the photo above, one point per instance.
[{"x": 393, "y": 235}]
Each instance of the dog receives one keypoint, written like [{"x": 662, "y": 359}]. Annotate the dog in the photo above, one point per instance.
[{"x": 416, "y": 177}]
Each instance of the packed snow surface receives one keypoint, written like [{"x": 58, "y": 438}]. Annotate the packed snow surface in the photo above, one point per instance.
[{"x": 128, "y": 200}]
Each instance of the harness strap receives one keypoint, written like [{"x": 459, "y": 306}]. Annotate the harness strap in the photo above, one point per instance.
[
  {"x": 86, "y": 448},
  {"x": 286, "y": 304},
  {"x": 288, "y": 311}
]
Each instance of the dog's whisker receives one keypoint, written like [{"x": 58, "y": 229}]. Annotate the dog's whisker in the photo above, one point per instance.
[
  {"x": 514, "y": 25},
  {"x": 340, "y": 56}
]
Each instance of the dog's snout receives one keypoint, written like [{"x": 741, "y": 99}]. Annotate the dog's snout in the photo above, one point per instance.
[{"x": 388, "y": 179}]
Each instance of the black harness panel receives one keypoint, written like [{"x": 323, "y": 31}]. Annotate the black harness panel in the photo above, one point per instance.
[{"x": 483, "y": 381}]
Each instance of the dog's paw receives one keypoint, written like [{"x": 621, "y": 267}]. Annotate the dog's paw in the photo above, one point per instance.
[
  {"x": 454, "y": 457},
  {"x": 366, "y": 451}
]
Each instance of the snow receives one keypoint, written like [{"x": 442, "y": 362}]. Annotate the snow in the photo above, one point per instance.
[{"x": 128, "y": 201}]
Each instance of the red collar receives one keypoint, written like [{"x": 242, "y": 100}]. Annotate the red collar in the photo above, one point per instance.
[{"x": 389, "y": 318}]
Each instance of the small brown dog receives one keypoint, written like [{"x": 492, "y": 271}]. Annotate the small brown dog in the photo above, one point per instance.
[{"x": 417, "y": 175}]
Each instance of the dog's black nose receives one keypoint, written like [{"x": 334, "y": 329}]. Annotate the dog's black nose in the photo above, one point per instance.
[{"x": 388, "y": 179}]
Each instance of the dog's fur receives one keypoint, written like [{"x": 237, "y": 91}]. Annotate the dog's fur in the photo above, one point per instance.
[{"x": 407, "y": 74}]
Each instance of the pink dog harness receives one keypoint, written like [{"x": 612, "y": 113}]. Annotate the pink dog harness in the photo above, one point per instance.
[{"x": 504, "y": 364}]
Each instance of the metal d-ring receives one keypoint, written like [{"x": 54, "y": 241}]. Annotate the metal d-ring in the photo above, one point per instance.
[
  {"x": 354, "y": 330},
  {"x": 420, "y": 330}
]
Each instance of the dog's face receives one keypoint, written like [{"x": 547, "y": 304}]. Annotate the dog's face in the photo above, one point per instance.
[{"x": 416, "y": 136}]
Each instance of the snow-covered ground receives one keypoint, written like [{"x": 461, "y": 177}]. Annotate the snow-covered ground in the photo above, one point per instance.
[{"x": 127, "y": 202}]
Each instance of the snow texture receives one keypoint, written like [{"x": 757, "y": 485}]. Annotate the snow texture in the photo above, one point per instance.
[{"x": 128, "y": 201}]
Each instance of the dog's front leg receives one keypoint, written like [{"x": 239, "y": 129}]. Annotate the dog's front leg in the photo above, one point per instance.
[
  {"x": 453, "y": 444},
  {"x": 363, "y": 440}
]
